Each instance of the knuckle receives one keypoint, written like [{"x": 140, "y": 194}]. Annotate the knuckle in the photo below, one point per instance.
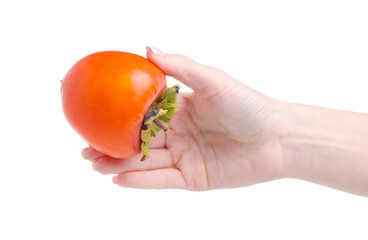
[
  {"x": 217, "y": 71},
  {"x": 181, "y": 58}
]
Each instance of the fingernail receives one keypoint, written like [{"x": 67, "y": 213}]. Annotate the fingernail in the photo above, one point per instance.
[
  {"x": 114, "y": 179},
  {"x": 157, "y": 51},
  {"x": 84, "y": 152},
  {"x": 94, "y": 166}
]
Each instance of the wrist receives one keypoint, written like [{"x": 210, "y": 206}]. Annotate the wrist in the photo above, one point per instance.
[
  {"x": 324, "y": 146},
  {"x": 310, "y": 138},
  {"x": 294, "y": 139}
]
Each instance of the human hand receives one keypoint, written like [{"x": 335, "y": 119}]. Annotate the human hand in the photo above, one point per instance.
[{"x": 224, "y": 135}]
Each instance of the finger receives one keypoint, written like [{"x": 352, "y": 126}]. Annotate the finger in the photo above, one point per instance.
[
  {"x": 159, "y": 158},
  {"x": 91, "y": 154},
  {"x": 159, "y": 141},
  {"x": 155, "y": 179},
  {"x": 203, "y": 79}
]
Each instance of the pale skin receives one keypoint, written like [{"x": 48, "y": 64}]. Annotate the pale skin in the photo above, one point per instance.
[{"x": 227, "y": 135}]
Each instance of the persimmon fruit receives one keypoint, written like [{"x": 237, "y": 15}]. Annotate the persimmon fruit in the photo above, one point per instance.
[{"x": 117, "y": 101}]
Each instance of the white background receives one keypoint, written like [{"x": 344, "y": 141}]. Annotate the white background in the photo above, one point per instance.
[{"x": 313, "y": 52}]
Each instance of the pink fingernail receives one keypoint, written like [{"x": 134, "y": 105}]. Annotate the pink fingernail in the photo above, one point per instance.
[
  {"x": 114, "y": 179},
  {"x": 94, "y": 167},
  {"x": 157, "y": 51},
  {"x": 84, "y": 151}
]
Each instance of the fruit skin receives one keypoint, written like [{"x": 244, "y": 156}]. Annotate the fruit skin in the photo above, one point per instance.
[{"x": 105, "y": 97}]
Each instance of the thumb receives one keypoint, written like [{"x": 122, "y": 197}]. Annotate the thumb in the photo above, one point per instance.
[{"x": 207, "y": 81}]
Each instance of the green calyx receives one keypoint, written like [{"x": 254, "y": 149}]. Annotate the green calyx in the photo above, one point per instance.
[{"x": 158, "y": 117}]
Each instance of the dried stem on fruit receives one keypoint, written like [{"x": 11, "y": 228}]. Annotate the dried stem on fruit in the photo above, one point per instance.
[{"x": 158, "y": 117}]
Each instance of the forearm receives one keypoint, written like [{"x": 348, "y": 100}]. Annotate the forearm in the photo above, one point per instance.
[{"x": 326, "y": 146}]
